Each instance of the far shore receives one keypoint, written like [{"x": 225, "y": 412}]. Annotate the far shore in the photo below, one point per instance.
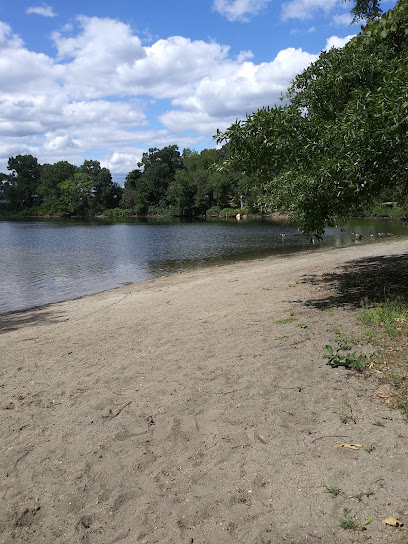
[{"x": 198, "y": 408}]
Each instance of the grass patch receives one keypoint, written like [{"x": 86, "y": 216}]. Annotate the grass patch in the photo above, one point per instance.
[
  {"x": 379, "y": 423},
  {"x": 348, "y": 523},
  {"x": 392, "y": 317},
  {"x": 286, "y": 320},
  {"x": 388, "y": 332},
  {"x": 332, "y": 489},
  {"x": 359, "y": 496}
]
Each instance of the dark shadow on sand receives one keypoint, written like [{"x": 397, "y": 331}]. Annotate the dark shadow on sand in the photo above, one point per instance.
[
  {"x": 45, "y": 315},
  {"x": 364, "y": 282}
]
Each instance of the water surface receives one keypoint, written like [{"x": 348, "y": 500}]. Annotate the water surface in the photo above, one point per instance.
[{"x": 47, "y": 261}]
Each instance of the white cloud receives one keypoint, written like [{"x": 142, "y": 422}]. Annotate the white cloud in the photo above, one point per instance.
[
  {"x": 343, "y": 19},
  {"x": 305, "y": 9},
  {"x": 338, "y": 43},
  {"x": 235, "y": 89},
  {"x": 60, "y": 143},
  {"x": 45, "y": 10},
  {"x": 106, "y": 95},
  {"x": 118, "y": 163},
  {"x": 239, "y": 10}
]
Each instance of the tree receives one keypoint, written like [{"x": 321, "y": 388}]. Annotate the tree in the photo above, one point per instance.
[
  {"x": 340, "y": 138},
  {"x": 148, "y": 185},
  {"x": 76, "y": 194},
  {"x": 21, "y": 185},
  {"x": 104, "y": 193},
  {"x": 368, "y": 10},
  {"x": 51, "y": 176}
]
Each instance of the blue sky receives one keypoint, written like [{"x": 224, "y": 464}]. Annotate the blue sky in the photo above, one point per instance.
[{"x": 107, "y": 80}]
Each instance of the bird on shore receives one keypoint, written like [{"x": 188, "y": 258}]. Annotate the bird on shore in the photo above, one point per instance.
[{"x": 358, "y": 235}]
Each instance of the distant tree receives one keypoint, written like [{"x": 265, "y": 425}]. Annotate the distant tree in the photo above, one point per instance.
[
  {"x": 148, "y": 185},
  {"x": 91, "y": 168},
  {"x": 21, "y": 185},
  {"x": 51, "y": 176},
  {"x": 104, "y": 194},
  {"x": 131, "y": 196},
  {"x": 76, "y": 195}
]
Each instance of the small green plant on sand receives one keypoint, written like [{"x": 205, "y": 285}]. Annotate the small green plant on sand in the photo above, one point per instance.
[
  {"x": 359, "y": 496},
  {"x": 333, "y": 489},
  {"x": 340, "y": 356},
  {"x": 286, "y": 320},
  {"x": 369, "y": 448},
  {"x": 348, "y": 523},
  {"x": 302, "y": 325},
  {"x": 379, "y": 423}
]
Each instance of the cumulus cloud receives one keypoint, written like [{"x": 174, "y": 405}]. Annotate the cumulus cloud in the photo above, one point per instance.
[
  {"x": 305, "y": 9},
  {"x": 338, "y": 43},
  {"x": 46, "y": 11},
  {"x": 107, "y": 94},
  {"x": 235, "y": 89},
  {"x": 239, "y": 10},
  {"x": 119, "y": 163},
  {"x": 60, "y": 143}
]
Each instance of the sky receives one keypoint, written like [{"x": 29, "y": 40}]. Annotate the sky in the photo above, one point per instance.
[{"x": 106, "y": 80}]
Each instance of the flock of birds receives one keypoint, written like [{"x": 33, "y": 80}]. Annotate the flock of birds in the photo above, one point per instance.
[{"x": 357, "y": 235}]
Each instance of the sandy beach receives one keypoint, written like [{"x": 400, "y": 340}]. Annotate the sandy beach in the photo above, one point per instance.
[{"x": 185, "y": 410}]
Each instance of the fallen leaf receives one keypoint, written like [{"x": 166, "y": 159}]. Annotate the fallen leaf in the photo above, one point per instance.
[
  {"x": 393, "y": 521},
  {"x": 383, "y": 395},
  {"x": 349, "y": 446}
]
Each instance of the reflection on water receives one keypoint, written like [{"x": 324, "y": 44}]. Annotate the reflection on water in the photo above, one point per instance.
[{"x": 49, "y": 261}]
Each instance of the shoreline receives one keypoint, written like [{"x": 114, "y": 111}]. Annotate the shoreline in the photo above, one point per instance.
[
  {"x": 208, "y": 267},
  {"x": 197, "y": 407}
]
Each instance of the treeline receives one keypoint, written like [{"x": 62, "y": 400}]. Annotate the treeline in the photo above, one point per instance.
[
  {"x": 186, "y": 184},
  {"x": 57, "y": 189}
]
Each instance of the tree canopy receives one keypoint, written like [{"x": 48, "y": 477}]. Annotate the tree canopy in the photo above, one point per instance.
[
  {"x": 61, "y": 188},
  {"x": 340, "y": 137}
]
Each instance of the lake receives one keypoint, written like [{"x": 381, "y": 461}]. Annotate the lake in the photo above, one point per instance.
[{"x": 43, "y": 261}]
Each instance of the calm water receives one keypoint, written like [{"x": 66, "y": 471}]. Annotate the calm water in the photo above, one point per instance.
[{"x": 49, "y": 261}]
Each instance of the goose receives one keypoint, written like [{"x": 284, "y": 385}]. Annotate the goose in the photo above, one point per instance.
[{"x": 358, "y": 235}]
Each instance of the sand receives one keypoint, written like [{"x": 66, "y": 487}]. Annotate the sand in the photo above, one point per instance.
[{"x": 179, "y": 410}]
